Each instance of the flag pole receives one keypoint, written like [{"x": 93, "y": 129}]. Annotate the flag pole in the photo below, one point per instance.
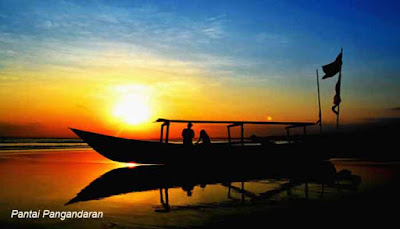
[
  {"x": 319, "y": 105},
  {"x": 340, "y": 86},
  {"x": 338, "y": 107}
]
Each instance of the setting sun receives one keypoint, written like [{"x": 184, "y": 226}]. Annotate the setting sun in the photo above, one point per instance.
[{"x": 132, "y": 109}]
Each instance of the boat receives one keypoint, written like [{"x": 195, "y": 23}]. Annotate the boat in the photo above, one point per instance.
[{"x": 163, "y": 152}]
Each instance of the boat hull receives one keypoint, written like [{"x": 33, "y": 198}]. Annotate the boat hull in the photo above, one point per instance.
[{"x": 146, "y": 152}]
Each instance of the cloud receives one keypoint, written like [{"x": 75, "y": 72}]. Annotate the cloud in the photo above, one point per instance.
[
  {"x": 64, "y": 28},
  {"x": 72, "y": 36}
]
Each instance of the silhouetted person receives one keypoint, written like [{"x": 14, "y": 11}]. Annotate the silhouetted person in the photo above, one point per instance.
[
  {"x": 204, "y": 138},
  {"x": 188, "y": 135}
]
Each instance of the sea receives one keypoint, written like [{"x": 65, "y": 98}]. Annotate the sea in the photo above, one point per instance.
[{"x": 47, "y": 174}]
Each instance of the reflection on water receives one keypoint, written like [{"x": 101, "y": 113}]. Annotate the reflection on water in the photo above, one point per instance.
[
  {"x": 162, "y": 196},
  {"x": 261, "y": 182}
]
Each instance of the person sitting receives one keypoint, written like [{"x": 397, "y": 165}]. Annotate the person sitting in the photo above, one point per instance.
[
  {"x": 188, "y": 135},
  {"x": 204, "y": 138}
]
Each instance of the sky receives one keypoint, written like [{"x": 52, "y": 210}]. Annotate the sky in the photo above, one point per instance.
[{"x": 116, "y": 66}]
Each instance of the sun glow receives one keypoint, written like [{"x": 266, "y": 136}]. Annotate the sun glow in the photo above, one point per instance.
[
  {"x": 132, "y": 165},
  {"x": 132, "y": 108}
]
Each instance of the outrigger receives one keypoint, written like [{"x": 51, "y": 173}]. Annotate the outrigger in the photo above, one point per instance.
[{"x": 164, "y": 152}]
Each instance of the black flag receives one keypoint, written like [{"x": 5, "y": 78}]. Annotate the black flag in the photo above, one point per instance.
[
  {"x": 333, "y": 68},
  {"x": 336, "y": 98}
]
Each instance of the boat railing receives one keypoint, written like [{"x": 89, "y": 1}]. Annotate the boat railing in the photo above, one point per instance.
[{"x": 289, "y": 125}]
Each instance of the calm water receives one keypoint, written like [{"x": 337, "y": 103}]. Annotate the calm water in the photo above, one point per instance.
[{"x": 47, "y": 179}]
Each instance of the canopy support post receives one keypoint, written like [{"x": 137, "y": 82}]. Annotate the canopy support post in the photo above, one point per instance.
[
  {"x": 167, "y": 134},
  {"x": 241, "y": 132},
  {"x": 166, "y": 123},
  {"x": 162, "y": 133},
  {"x": 288, "y": 135}
]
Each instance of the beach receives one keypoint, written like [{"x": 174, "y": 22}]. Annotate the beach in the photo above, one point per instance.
[{"x": 46, "y": 179}]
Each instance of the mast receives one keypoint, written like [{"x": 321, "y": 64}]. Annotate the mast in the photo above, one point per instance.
[
  {"x": 319, "y": 105},
  {"x": 339, "y": 90}
]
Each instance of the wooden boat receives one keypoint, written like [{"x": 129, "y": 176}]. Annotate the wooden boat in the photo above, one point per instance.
[
  {"x": 147, "y": 152},
  {"x": 130, "y": 150}
]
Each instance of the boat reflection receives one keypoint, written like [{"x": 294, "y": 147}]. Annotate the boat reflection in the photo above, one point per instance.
[{"x": 163, "y": 177}]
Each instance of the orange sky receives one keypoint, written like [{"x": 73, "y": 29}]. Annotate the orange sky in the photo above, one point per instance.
[{"x": 112, "y": 100}]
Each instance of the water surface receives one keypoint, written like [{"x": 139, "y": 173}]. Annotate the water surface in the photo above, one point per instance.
[{"x": 47, "y": 179}]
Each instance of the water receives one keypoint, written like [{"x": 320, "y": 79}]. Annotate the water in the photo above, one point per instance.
[
  {"x": 17, "y": 144},
  {"x": 46, "y": 178}
]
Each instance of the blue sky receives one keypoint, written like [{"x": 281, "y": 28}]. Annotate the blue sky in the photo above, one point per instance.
[
  {"x": 254, "y": 43},
  {"x": 284, "y": 36}
]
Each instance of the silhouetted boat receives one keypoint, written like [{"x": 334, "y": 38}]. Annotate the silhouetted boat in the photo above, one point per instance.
[{"x": 147, "y": 152}]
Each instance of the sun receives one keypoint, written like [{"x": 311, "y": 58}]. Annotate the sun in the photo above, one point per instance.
[{"x": 132, "y": 109}]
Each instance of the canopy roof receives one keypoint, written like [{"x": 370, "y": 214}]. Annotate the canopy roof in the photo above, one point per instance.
[{"x": 236, "y": 122}]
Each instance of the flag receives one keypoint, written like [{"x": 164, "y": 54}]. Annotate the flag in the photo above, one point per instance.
[
  {"x": 333, "y": 68},
  {"x": 336, "y": 98}
]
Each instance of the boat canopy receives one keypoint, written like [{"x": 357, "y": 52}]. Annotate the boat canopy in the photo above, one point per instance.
[{"x": 289, "y": 125}]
